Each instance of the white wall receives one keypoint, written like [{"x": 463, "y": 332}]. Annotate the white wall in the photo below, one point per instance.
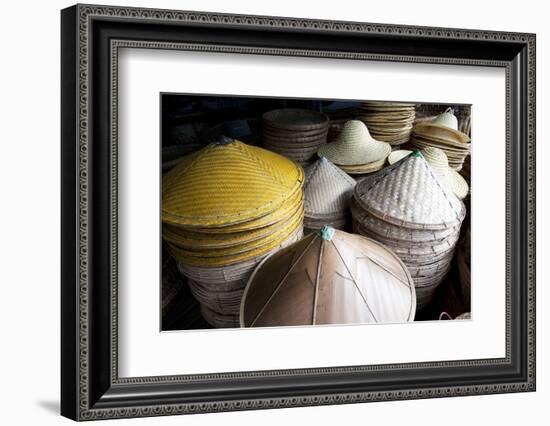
[{"x": 29, "y": 210}]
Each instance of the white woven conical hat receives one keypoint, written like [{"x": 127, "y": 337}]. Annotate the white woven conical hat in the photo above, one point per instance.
[
  {"x": 327, "y": 189},
  {"x": 355, "y": 146},
  {"x": 409, "y": 193},
  {"x": 440, "y": 164}
]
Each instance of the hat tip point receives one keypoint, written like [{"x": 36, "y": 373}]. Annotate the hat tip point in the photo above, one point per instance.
[{"x": 326, "y": 232}]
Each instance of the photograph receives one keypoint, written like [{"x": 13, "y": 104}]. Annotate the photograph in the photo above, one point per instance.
[
  {"x": 303, "y": 212},
  {"x": 275, "y": 210}
]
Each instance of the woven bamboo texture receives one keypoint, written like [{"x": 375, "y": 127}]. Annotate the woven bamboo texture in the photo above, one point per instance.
[
  {"x": 329, "y": 277},
  {"x": 407, "y": 208},
  {"x": 225, "y": 184},
  {"x": 442, "y": 132},
  {"x": 295, "y": 133},
  {"x": 355, "y": 146},
  {"x": 327, "y": 194},
  {"x": 387, "y": 121},
  {"x": 219, "y": 289},
  {"x": 409, "y": 194},
  {"x": 440, "y": 165}
]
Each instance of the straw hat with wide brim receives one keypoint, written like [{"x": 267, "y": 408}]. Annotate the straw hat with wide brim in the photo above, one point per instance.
[
  {"x": 443, "y": 126},
  {"x": 355, "y": 146},
  {"x": 437, "y": 159},
  {"x": 364, "y": 168}
]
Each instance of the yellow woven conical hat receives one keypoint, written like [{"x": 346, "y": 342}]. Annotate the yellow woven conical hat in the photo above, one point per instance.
[
  {"x": 200, "y": 241},
  {"x": 227, "y": 183}
]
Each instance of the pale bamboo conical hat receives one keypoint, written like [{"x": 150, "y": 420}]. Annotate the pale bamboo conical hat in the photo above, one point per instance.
[
  {"x": 408, "y": 193},
  {"x": 438, "y": 160},
  {"x": 327, "y": 189},
  {"x": 329, "y": 277}
]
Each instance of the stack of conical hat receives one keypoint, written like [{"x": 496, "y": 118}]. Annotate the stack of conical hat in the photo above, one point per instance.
[
  {"x": 327, "y": 193},
  {"x": 224, "y": 208},
  {"x": 407, "y": 207},
  {"x": 329, "y": 277},
  {"x": 355, "y": 151},
  {"x": 442, "y": 132},
  {"x": 390, "y": 122},
  {"x": 295, "y": 133},
  {"x": 440, "y": 165}
]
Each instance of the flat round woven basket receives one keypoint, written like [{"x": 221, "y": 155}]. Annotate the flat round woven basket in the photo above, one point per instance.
[
  {"x": 295, "y": 133},
  {"x": 388, "y": 122},
  {"x": 295, "y": 119}
]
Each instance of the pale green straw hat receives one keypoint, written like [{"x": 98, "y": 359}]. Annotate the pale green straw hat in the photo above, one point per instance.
[{"x": 355, "y": 146}]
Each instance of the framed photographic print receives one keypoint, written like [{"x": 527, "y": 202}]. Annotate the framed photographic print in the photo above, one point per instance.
[{"x": 263, "y": 212}]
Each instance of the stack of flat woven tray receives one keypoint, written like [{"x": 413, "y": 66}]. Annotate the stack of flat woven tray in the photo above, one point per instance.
[
  {"x": 329, "y": 277},
  {"x": 390, "y": 122},
  {"x": 327, "y": 194},
  {"x": 295, "y": 133},
  {"x": 224, "y": 208},
  {"x": 409, "y": 209},
  {"x": 443, "y": 133},
  {"x": 355, "y": 151}
]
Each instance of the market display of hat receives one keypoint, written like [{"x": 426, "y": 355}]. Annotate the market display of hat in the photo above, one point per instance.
[
  {"x": 329, "y": 277},
  {"x": 442, "y": 132},
  {"x": 355, "y": 151},
  {"x": 390, "y": 122},
  {"x": 440, "y": 165},
  {"x": 224, "y": 208},
  {"x": 295, "y": 133},
  {"x": 406, "y": 208},
  {"x": 327, "y": 193}
]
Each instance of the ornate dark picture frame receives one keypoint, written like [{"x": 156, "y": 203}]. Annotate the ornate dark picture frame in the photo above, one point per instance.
[{"x": 91, "y": 37}]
